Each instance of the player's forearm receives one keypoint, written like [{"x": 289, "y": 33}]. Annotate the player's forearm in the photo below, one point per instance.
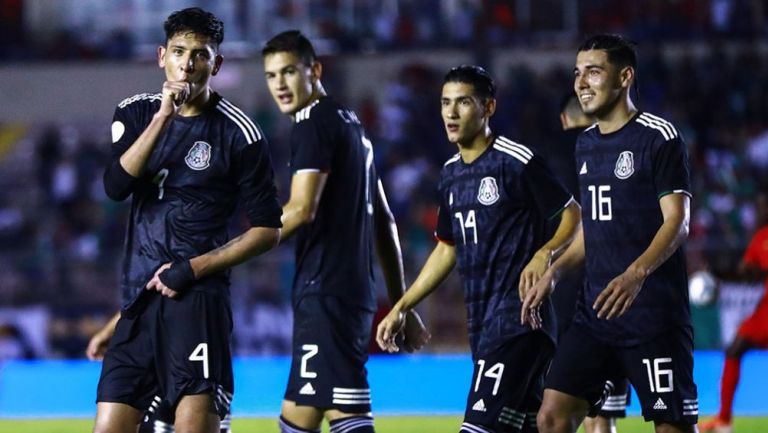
[
  {"x": 570, "y": 220},
  {"x": 109, "y": 328},
  {"x": 667, "y": 240},
  {"x": 253, "y": 242},
  {"x": 388, "y": 248},
  {"x": 572, "y": 258},
  {"x": 294, "y": 216},
  {"x": 435, "y": 270},
  {"x": 135, "y": 157}
]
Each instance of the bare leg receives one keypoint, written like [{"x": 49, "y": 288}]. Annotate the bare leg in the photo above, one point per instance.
[
  {"x": 116, "y": 418},
  {"x": 561, "y": 412},
  {"x": 599, "y": 424},
  {"x": 196, "y": 414}
]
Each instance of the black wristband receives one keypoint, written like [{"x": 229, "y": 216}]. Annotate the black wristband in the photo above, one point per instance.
[{"x": 178, "y": 277}]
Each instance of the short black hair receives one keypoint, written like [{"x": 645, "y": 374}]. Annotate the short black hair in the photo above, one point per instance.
[
  {"x": 569, "y": 101},
  {"x": 194, "y": 20},
  {"x": 621, "y": 51},
  {"x": 291, "y": 41},
  {"x": 478, "y": 77}
]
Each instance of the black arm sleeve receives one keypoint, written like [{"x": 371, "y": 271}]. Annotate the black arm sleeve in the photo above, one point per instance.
[{"x": 118, "y": 184}]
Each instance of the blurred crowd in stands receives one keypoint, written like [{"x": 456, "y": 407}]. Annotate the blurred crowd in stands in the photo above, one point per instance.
[{"x": 61, "y": 238}]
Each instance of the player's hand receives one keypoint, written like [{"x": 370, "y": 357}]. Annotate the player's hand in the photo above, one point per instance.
[
  {"x": 175, "y": 94},
  {"x": 97, "y": 346},
  {"x": 389, "y": 327},
  {"x": 529, "y": 312},
  {"x": 619, "y": 295},
  {"x": 156, "y": 284},
  {"x": 415, "y": 333},
  {"x": 533, "y": 272}
]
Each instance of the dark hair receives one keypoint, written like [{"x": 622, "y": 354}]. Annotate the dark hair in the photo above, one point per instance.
[
  {"x": 620, "y": 50},
  {"x": 478, "y": 77},
  {"x": 568, "y": 100},
  {"x": 291, "y": 41},
  {"x": 194, "y": 20}
]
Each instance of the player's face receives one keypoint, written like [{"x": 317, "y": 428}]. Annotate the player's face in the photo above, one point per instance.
[
  {"x": 464, "y": 114},
  {"x": 290, "y": 81},
  {"x": 190, "y": 57},
  {"x": 597, "y": 82}
]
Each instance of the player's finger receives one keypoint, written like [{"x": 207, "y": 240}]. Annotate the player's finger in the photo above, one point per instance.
[{"x": 609, "y": 302}]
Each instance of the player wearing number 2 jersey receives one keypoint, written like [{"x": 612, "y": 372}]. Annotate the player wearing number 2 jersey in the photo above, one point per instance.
[
  {"x": 632, "y": 318},
  {"x": 338, "y": 212},
  {"x": 186, "y": 156},
  {"x": 496, "y": 197}
]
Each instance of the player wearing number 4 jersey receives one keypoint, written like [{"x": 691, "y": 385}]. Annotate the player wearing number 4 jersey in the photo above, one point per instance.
[
  {"x": 632, "y": 319},
  {"x": 338, "y": 211},
  {"x": 496, "y": 197},
  {"x": 186, "y": 156}
]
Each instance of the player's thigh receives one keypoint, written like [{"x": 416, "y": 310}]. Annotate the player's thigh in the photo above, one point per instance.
[
  {"x": 330, "y": 349},
  {"x": 306, "y": 417},
  {"x": 507, "y": 384},
  {"x": 661, "y": 371},
  {"x": 128, "y": 370},
  {"x": 580, "y": 368},
  {"x": 754, "y": 329},
  {"x": 116, "y": 418},
  {"x": 197, "y": 413},
  {"x": 193, "y": 346}
]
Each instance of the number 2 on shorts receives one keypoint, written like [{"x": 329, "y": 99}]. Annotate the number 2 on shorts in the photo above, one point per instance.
[{"x": 311, "y": 350}]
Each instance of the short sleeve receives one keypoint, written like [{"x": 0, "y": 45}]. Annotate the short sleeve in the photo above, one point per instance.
[
  {"x": 124, "y": 129},
  {"x": 311, "y": 149},
  {"x": 671, "y": 169},
  {"x": 257, "y": 185},
  {"x": 755, "y": 253},
  {"x": 444, "y": 230},
  {"x": 547, "y": 192}
]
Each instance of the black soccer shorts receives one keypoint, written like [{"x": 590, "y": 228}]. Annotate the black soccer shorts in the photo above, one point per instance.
[
  {"x": 172, "y": 348},
  {"x": 660, "y": 370},
  {"x": 617, "y": 400},
  {"x": 330, "y": 349},
  {"x": 507, "y": 385}
]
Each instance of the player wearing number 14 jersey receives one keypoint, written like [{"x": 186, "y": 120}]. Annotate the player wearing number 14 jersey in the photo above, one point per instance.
[
  {"x": 338, "y": 212},
  {"x": 496, "y": 197},
  {"x": 633, "y": 317}
]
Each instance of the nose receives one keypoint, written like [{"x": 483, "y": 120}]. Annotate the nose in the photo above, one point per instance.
[
  {"x": 189, "y": 64},
  {"x": 580, "y": 81}
]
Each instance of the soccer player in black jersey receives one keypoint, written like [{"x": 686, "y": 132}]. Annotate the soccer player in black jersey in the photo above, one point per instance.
[
  {"x": 496, "y": 197},
  {"x": 560, "y": 154},
  {"x": 337, "y": 210},
  {"x": 186, "y": 156},
  {"x": 633, "y": 317}
]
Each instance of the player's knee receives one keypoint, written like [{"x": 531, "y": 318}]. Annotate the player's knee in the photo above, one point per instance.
[
  {"x": 353, "y": 424},
  {"x": 288, "y": 427},
  {"x": 549, "y": 420}
]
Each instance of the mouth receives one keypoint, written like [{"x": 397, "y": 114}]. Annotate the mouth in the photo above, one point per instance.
[
  {"x": 452, "y": 127},
  {"x": 285, "y": 98},
  {"x": 586, "y": 97}
]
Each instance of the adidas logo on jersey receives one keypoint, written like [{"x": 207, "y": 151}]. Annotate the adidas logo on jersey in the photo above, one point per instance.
[
  {"x": 583, "y": 168},
  {"x": 307, "y": 389},
  {"x": 659, "y": 405},
  {"x": 479, "y": 406}
]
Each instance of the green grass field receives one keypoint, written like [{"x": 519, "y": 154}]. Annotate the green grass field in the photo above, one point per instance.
[{"x": 405, "y": 424}]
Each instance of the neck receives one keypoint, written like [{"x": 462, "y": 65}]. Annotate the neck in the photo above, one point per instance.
[
  {"x": 618, "y": 116},
  {"x": 197, "y": 105},
  {"x": 472, "y": 149}
]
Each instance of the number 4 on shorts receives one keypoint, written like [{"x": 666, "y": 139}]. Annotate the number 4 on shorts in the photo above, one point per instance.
[{"x": 201, "y": 354}]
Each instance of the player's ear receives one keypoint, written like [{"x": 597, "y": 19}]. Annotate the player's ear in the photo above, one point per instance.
[
  {"x": 161, "y": 56},
  {"x": 627, "y": 75},
  {"x": 217, "y": 61},
  {"x": 564, "y": 121},
  {"x": 490, "y": 107},
  {"x": 315, "y": 71}
]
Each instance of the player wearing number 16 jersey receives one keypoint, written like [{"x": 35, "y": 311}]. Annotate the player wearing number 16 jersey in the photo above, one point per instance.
[
  {"x": 185, "y": 156},
  {"x": 496, "y": 197},
  {"x": 337, "y": 211},
  {"x": 632, "y": 318}
]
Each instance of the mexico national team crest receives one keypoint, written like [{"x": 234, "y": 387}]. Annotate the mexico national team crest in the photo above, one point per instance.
[
  {"x": 488, "y": 193},
  {"x": 199, "y": 156},
  {"x": 625, "y": 165}
]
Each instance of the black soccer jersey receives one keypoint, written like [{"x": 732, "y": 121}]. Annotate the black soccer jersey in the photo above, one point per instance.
[
  {"x": 622, "y": 176},
  {"x": 334, "y": 254},
  {"x": 495, "y": 210},
  {"x": 198, "y": 169}
]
